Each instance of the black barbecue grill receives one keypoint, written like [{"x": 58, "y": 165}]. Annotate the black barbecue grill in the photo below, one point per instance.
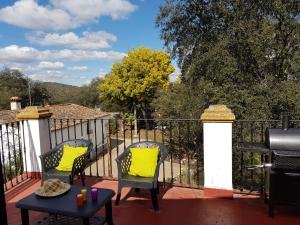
[
  {"x": 285, "y": 147},
  {"x": 282, "y": 173}
]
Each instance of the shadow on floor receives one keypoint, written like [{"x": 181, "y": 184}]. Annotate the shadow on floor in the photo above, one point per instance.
[{"x": 177, "y": 206}]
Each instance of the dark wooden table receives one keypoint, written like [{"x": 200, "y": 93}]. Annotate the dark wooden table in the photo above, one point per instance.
[{"x": 65, "y": 205}]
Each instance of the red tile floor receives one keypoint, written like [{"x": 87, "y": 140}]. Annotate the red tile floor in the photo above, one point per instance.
[{"x": 178, "y": 205}]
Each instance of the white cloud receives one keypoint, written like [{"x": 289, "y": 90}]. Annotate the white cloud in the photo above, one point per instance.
[
  {"x": 14, "y": 53},
  {"x": 86, "y": 11},
  {"x": 63, "y": 14},
  {"x": 17, "y": 54},
  {"x": 78, "y": 68},
  {"x": 50, "y": 65},
  {"x": 54, "y": 74},
  {"x": 28, "y": 14},
  {"x": 89, "y": 40},
  {"x": 58, "y": 76}
]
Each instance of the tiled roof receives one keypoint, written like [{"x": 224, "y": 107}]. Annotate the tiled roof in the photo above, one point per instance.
[
  {"x": 8, "y": 116},
  {"x": 60, "y": 111}
]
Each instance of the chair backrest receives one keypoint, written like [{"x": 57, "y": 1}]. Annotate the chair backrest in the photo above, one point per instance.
[
  {"x": 163, "y": 150},
  {"x": 75, "y": 143}
]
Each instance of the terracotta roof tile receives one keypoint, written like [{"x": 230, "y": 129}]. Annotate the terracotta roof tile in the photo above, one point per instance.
[{"x": 60, "y": 111}]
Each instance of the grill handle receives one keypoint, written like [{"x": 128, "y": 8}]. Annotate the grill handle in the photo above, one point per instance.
[
  {"x": 260, "y": 166},
  {"x": 285, "y": 120}
]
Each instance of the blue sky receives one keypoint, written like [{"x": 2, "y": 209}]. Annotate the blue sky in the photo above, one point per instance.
[{"x": 74, "y": 41}]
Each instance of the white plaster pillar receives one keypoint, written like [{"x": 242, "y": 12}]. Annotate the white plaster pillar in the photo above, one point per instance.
[
  {"x": 36, "y": 136},
  {"x": 217, "y": 142}
]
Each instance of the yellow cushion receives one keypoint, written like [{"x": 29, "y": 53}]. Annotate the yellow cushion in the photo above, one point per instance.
[
  {"x": 143, "y": 161},
  {"x": 69, "y": 155}
]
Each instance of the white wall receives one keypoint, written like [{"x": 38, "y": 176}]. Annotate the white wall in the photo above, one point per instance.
[
  {"x": 98, "y": 141},
  {"x": 217, "y": 155}
]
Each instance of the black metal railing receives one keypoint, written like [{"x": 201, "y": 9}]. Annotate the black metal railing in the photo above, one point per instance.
[
  {"x": 12, "y": 154},
  {"x": 110, "y": 137},
  {"x": 13, "y": 161},
  {"x": 251, "y": 132}
]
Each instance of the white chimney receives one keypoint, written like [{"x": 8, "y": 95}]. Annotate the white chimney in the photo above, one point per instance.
[{"x": 15, "y": 103}]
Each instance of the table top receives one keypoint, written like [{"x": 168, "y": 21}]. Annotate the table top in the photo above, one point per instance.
[{"x": 66, "y": 204}]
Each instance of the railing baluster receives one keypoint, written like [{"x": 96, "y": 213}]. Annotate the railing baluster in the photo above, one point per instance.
[
  {"x": 55, "y": 132},
  {"x": 49, "y": 132},
  {"x": 68, "y": 126},
  {"x": 103, "y": 150},
  {"x": 88, "y": 128},
  {"x": 61, "y": 130},
  {"x": 24, "y": 145},
  {"x": 131, "y": 135},
  {"x": 252, "y": 155},
  {"x": 164, "y": 169},
  {"x": 3, "y": 159},
  {"x": 188, "y": 152},
  {"x": 146, "y": 126},
  {"x": 117, "y": 136},
  {"x": 74, "y": 123},
  {"x": 139, "y": 129},
  {"x": 20, "y": 151},
  {"x": 3, "y": 212},
  {"x": 14, "y": 151},
  {"x": 242, "y": 156},
  {"x": 180, "y": 155},
  {"x": 9, "y": 155},
  {"x": 171, "y": 153},
  {"x": 124, "y": 134},
  {"x": 81, "y": 128},
  {"x": 88, "y": 135},
  {"x": 96, "y": 146},
  {"x": 154, "y": 130},
  {"x": 109, "y": 149}
]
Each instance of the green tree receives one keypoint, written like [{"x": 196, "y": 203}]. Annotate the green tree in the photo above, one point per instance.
[
  {"x": 134, "y": 81},
  {"x": 246, "y": 49},
  {"x": 14, "y": 83},
  {"x": 232, "y": 41},
  {"x": 89, "y": 93}
]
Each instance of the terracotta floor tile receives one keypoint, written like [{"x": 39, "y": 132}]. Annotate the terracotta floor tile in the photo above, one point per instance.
[{"x": 178, "y": 206}]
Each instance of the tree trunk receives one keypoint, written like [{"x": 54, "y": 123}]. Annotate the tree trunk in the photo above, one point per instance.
[
  {"x": 135, "y": 120},
  {"x": 145, "y": 118}
]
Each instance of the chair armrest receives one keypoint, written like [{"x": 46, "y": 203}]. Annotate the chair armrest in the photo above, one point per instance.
[
  {"x": 80, "y": 163},
  {"x": 160, "y": 161},
  {"x": 49, "y": 160},
  {"x": 123, "y": 163}
]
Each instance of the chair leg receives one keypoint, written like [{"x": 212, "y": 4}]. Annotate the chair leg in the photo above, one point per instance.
[
  {"x": 118, "y": 195},
  {"x": 82, "y": 179},
  {"x": 154, "y": 199}
]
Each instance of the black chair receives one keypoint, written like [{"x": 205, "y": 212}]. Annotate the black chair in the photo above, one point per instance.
[
  {"x": 51, "y": 159},
  {"x": 126, "y": 180}
]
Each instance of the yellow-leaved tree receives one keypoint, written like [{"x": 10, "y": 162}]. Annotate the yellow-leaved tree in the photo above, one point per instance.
[{"x": 135, "y": 80}]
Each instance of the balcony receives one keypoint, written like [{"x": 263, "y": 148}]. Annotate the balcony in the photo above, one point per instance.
[
  {"x": 182, "y": 197},
  {"x": 178, "y": 205}
]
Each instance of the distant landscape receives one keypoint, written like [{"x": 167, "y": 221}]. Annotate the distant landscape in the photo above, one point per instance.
[{"x": 14, "y": 83}]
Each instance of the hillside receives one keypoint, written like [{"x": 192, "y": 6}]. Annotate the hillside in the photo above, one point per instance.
[{"x": 62, "y": 93}]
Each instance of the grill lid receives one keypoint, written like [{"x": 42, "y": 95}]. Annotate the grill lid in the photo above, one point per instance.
[{"x": 279, "y": 139}]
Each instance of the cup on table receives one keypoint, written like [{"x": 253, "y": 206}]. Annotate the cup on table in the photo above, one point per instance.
[
  {"x": 94, "y": 194},
  {"x": 79, "y": 200},
  {"x": 84, "y": 194}
]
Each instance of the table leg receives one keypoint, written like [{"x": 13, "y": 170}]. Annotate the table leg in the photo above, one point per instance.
[
  {"x": 86, "y": 221},
  {"x": 25, "y": 216},
  {"x": 108, "y": 213}
]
